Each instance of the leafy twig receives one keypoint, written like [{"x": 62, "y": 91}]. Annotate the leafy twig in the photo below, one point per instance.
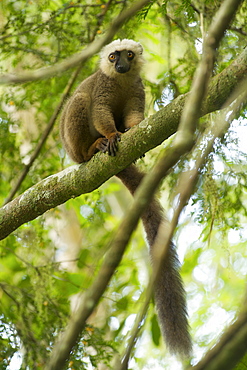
[
  {"x": 53, "y": 119},
  {"x": 44, "y": 136},
  {"x": 81, "y": 57}
]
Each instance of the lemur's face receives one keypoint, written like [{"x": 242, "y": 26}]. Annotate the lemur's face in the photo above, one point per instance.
[
  {"x": 121, "y": 60},
  {"x": 122, "y": 57}
]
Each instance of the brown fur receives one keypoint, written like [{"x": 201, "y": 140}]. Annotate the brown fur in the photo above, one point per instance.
[{"x": 102, "y": 107}]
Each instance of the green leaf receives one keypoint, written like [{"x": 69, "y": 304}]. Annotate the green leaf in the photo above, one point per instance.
[{"x": 155, "y": 330}]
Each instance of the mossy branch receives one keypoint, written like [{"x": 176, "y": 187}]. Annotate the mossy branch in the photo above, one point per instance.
[{"x": 84, "y": 178}]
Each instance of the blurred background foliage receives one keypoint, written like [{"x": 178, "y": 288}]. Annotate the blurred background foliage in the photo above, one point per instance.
[{"x": 46, "y": 263}]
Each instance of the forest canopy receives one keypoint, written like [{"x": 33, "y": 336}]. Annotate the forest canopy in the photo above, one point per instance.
[{"x": 60, "y": 222}]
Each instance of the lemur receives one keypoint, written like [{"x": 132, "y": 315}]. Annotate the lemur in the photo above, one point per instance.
[{"x": 94, "y": 118}]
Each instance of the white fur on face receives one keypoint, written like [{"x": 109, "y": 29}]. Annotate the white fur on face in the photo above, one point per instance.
[{"x": 118, "y": 45}]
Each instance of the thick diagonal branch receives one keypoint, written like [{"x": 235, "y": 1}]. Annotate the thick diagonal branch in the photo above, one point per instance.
[{"x": 81, "y": 179}]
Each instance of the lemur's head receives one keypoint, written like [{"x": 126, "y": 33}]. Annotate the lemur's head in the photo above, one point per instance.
[{"x": 121, "y": 56}]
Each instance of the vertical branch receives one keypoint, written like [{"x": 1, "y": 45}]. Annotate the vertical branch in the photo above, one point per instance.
[
  {"x": 203, "y": 73},
  {"x": 184, "y": 142},
  {"x": 91, "y": 297},
  {"x": 189, "y": 178},
  {"x": 230, "y": 348}
]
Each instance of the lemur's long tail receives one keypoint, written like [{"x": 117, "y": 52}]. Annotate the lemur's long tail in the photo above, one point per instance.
[{"x": 169, "y": 292}]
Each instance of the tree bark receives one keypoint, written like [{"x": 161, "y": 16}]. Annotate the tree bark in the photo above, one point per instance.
[
  {"x": 84, "y": 178},
  {"x": 229, "y": 350}
]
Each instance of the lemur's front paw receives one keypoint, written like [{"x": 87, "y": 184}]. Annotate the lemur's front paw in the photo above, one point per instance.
[
  {"x": 112, "y": 145},
  {"x": 102, "y": 144}
]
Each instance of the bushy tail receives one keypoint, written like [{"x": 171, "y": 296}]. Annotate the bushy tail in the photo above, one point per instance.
[{"x": 169, "y": 292}]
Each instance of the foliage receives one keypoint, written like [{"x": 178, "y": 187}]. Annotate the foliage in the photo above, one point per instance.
[{"x": 48, "y": 262}]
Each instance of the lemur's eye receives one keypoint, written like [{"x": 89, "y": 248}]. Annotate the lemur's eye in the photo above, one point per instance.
[
  {"x": 130, "y": 55},
  {"x": 112, "y": 57}
]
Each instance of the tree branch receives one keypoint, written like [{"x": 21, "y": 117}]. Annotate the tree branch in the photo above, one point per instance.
[
  {"x": 188, "y": 180},
  {"x": 91, "y": 297},
  {"x": 191, "y": 111},
  {"x": 184, "y": 142},
  {"x": 229, "y": 350},
  {"x": 84, "y": 178},
  {"x": 81, "y": 57},
  {"x": 55, "y": 114},
  {"x": 44, "y": 135}
]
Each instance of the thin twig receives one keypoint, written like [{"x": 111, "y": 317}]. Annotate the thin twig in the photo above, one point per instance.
[
  {"x": 3, "y": 285},
  {"x": 51, "y": 19},
  {"x": 44, "y": 136},
  {"x": 191, "y": 112},
  {"x": 53, "y": 119},
  {"x": 229, "y": 350},
  {"x": 81, "y": 57}
]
